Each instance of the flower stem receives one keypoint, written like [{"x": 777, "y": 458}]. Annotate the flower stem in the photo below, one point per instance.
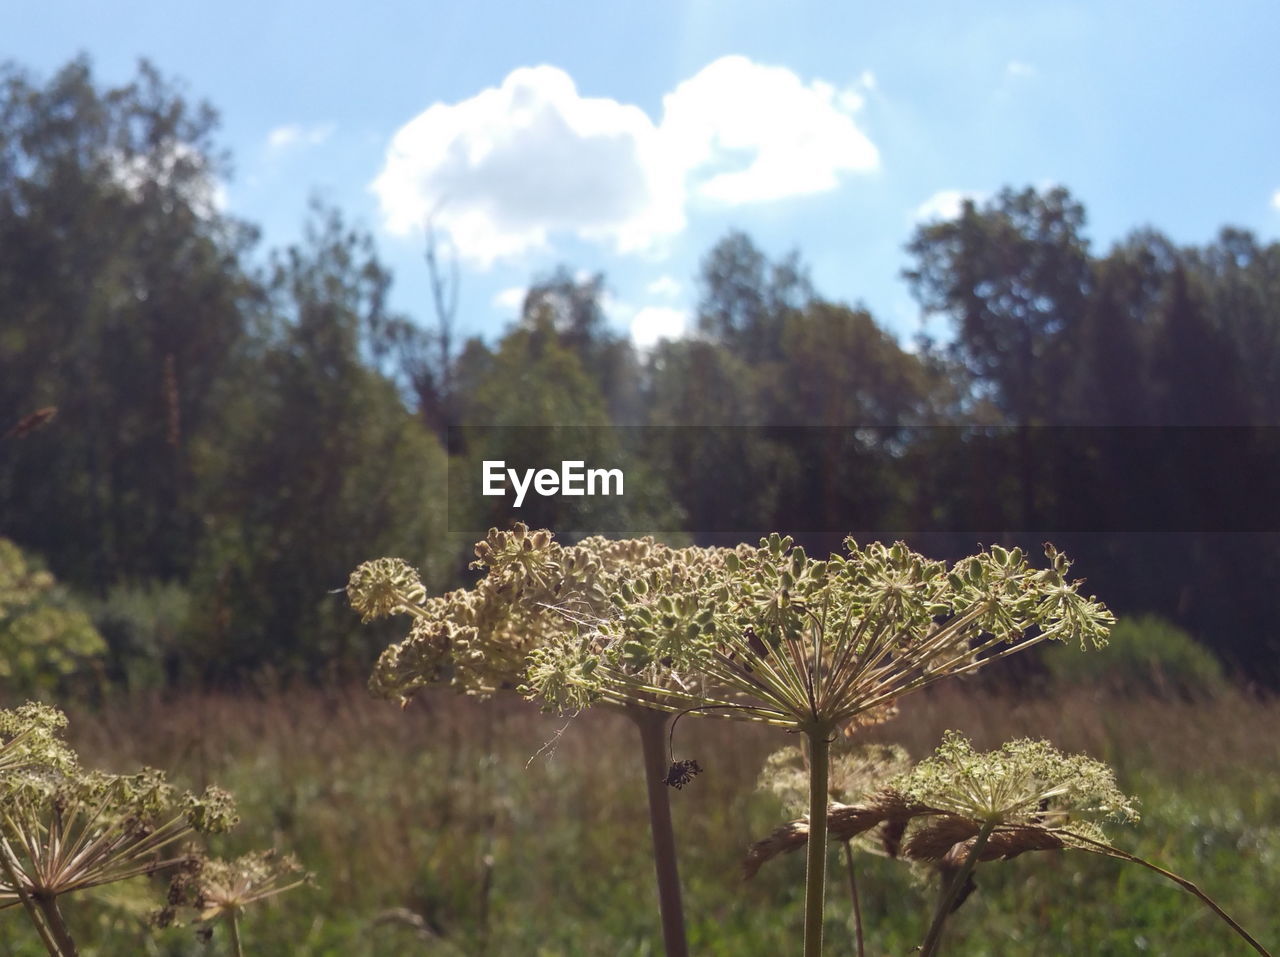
[
  {"x": 857, "y": 905},
  {"x": 57, "y": 926},
  {"x": 947, "y": 901},
  {"x": 816, "y": 866},
  {"x": 652, "y": 725},
  {"x": 233, "y": 921},
  {"x": 1099, "y": 847}
]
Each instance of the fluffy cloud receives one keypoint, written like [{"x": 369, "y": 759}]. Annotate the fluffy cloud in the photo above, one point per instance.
[
  {"x": 505, "y": 170},
  {"x": 1275, "y": 199},
  {"x": 946, "y": 204},
  {"x": 755, "y": 133},
  {"x": 651, "y": 324}
]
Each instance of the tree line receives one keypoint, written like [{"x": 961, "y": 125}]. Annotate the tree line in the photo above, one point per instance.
[{"x": 237, "y": 430}]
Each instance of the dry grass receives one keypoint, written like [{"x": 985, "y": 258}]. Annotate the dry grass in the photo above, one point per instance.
[{"x": 453, "y": 815}]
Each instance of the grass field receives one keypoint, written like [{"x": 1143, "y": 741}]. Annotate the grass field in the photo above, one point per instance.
[{"x": 448, "y": 828}]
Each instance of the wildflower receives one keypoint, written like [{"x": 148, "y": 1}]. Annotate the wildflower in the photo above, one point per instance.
[
  {"x": 536, "y": 598},
  {"x": 1024, "y": 783},
  {"x": 62, "y": 832},
  {"x": 218, "y": 888},
  {"x": 772, "y": 636},
  {"x": 1024, "y": 796},
  {"x": 30, "y": 739},
  {"x": 535, "y": 592},
  {"x": 856, "y": 774},
  {"x": 225, "y": 887}
]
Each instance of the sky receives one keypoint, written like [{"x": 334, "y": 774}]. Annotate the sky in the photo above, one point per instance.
[{"x": 629, "y": 138}]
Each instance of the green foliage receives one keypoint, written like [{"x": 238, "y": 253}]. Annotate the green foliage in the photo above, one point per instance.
[
  {"x": 428, "y": 795},
  {"x": 1147, "y": 654},
  {"x": 319, "y": 459},
  {"x": 1013, "y": 277},
  {"x": 221, "y": 423},
  {"x": 127, "y": 337},
  {"x": 44, "y": 636},
  {"x": 148, "y": 632},
  {"x": 537, "y": 377}
]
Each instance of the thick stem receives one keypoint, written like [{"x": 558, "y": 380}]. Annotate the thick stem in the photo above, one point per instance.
[
  {"x": 857, "y": 904},
  {"x": 57, "y": 926},
  {"x": 947, "y": 902},
  {"x": 233, "y": 921},
  {"x": 653, "y": 743},
  {"x": 816, "y": 866}
]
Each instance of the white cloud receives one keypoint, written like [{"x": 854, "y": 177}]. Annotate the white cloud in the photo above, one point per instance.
[
  {"x": 509, "y": 168},
  {"x": 1275, "y": 200},
  {"x": 651, "y": 324},
  {"x": 291, "y": 135},
  {"x": 512, "y": 298},
  {"x": 1019, "y": 68},
  {"x": 664, "y": 286},
  {"x": 753, "y": 133},
  {"x": 502, "y": 170},
  {"x": 946, "y": 204}
]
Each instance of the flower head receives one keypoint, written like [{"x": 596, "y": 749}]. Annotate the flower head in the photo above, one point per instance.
[
  {"x": 222, "y": 887},
  {"x": 772, "y": 635},
  {"x": 65, "y": 832},
  {"x": 534, "y": 593},
  {"x": 1023, "y": 784}
]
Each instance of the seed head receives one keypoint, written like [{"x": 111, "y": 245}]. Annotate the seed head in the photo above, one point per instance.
[
  {"x": 772, "y": 635},
  {"x": 1022, "y": 784},
  {"x": 384, "y": 587}
]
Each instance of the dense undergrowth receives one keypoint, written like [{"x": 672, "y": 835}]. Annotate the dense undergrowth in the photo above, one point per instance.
[{"x": 450, "y": 829}]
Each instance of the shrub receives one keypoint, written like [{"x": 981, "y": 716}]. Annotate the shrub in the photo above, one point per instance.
[
  {"x": 44, "y": 637},
  {"x": 1147, "y": 654}
]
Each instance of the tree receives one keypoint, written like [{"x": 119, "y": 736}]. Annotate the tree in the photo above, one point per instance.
[
  {"x": 321, "y": 458},
  {"x": 1013, "y": 278},
  {"x": 124, "y": 301},
  {"x": 533, "y": 404},
  {"x": 574, "y": 308},
  {"x": 745, "y": 299},
  {"x": 1239, "y": 282}
]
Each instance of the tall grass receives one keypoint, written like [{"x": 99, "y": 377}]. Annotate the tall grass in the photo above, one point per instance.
[{"x": 446, "y": 831}]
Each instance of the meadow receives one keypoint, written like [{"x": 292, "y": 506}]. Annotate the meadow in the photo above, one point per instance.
[{"x": 460, "y": 827}]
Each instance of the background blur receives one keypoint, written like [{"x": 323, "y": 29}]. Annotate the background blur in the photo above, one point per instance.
[{"x": 838, "y": 307}]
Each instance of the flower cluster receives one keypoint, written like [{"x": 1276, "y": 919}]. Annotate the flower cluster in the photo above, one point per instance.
[
  {"x": 535, "y": 594},
  {"x": 222, "y": 888},
  {"x": 772, "y": 635},
  {"x": 1022, "y": 787},
  {"x": 856, "y": 774},
  {"x": 64, "y": 828},
  {"x": 65, "y": 832},
  {"x": 1029, "y": 796}
]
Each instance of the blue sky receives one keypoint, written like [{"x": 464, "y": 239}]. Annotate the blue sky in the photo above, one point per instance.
[{"x": 628, "y": 137}]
